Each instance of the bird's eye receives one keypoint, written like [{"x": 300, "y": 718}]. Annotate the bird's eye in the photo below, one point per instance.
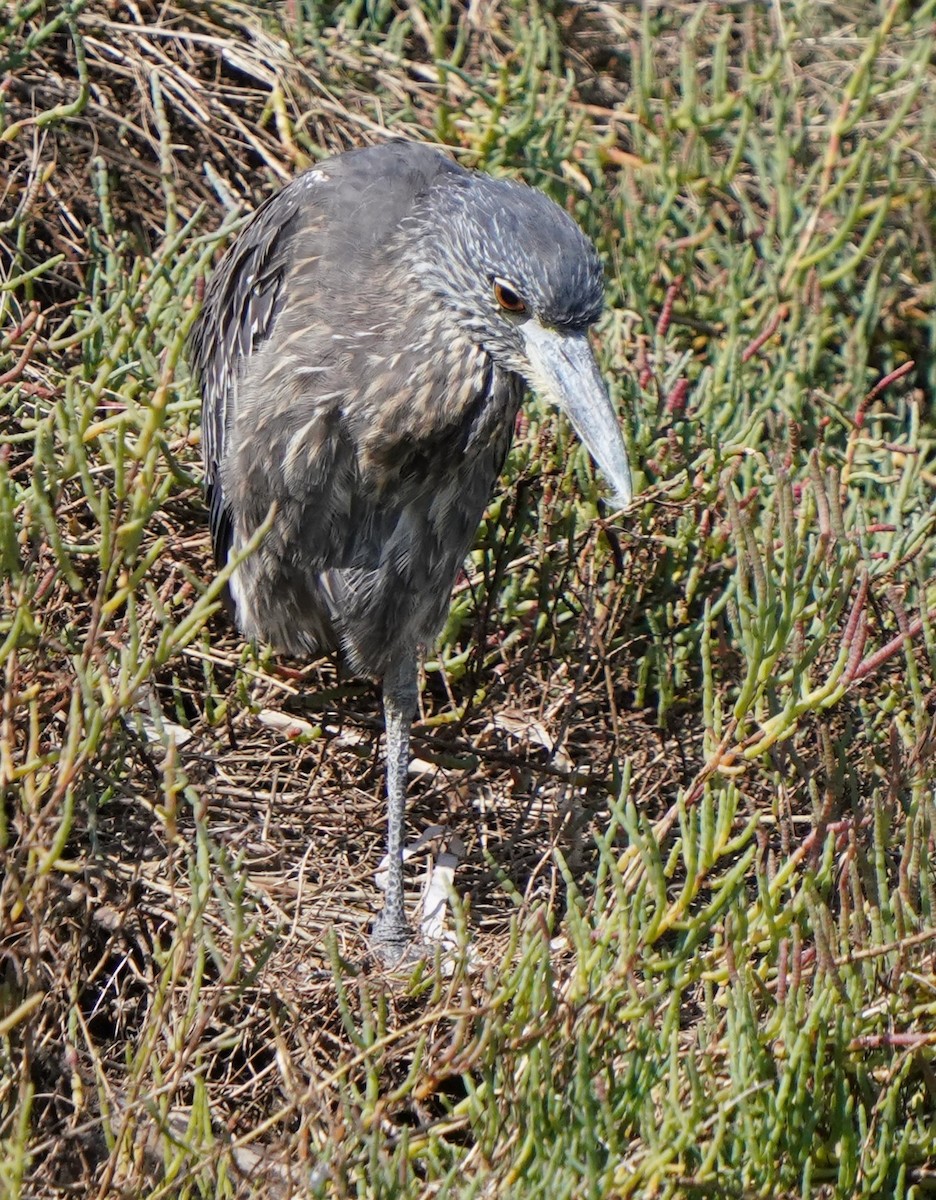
[{"x": 508, "y": 298}]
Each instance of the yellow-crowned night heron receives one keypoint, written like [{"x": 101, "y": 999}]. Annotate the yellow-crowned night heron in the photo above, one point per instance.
[{"x": 362, "y": 352}]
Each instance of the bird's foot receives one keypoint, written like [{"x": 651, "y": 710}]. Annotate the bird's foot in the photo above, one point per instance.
[{"x": 393, "y": 942}]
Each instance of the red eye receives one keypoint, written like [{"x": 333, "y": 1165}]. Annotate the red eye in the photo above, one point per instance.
[{"x": 507, "y": 298}]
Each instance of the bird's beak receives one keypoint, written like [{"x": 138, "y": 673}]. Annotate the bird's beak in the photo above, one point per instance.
[{"x": 563, "y": 370}]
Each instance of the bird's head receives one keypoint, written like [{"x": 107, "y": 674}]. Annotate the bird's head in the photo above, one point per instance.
[{"x": 525, "y": 283}]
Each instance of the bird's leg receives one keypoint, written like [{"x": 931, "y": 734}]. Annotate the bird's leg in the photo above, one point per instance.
[{"x": 391, "y": 934}]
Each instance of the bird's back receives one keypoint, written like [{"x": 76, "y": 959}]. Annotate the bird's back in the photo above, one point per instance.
[{"x": 335, "y": 392}]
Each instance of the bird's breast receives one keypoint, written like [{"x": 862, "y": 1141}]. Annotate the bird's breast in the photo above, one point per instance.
[{"x": 425, "y": 412}]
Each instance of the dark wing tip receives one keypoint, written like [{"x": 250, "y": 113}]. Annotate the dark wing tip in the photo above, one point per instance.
[{"x": 219, "y": 520}]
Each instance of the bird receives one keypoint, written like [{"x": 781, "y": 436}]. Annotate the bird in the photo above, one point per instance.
[{"x": 362, "y": 350}]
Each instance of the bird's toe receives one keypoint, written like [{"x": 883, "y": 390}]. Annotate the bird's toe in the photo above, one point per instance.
[{"x": 393, "y": 943}]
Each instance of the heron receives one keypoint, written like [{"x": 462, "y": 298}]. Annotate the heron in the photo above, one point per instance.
[{"x": 362, "y": 351}]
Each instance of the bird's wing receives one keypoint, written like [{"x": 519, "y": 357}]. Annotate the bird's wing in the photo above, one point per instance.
[
  {"x": 326, "y": 231},
  {"x": 242, "y": 299}
]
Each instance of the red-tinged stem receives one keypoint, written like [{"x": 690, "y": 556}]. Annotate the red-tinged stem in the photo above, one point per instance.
[
  {"x": 879, "y": 657},
  {"x": 666, "y": 313},
  {"x": 766, "y": 334}
]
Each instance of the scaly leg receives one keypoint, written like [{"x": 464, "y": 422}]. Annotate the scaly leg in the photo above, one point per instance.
[{"x": 391, "y": 935}]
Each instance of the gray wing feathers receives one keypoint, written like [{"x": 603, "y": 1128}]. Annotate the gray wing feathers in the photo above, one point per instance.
[{"x": 241, "y": 303}]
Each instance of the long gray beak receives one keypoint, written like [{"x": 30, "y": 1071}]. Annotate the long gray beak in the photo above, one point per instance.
[{"x": 563, "y": 370}]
